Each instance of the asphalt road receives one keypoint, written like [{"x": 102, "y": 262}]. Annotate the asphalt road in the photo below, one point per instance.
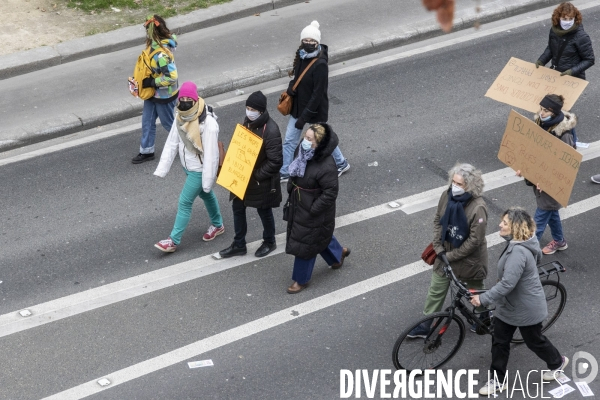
[{"x": 86, "y": 217}]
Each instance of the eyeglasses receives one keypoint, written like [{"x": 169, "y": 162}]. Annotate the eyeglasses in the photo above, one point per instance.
[{"x": 309, "y": 41}]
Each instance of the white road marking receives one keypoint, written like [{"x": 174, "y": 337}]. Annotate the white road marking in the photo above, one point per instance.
[
  {"x": 273, "y": 320},
  {"x": 88, "y": 300}
]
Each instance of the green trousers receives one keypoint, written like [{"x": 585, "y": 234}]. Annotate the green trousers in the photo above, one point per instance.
[{"x": 438, "y": 290}]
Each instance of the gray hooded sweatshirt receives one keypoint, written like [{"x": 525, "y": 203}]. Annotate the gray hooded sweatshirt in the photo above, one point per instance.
[{"x": 518, "y": 295}]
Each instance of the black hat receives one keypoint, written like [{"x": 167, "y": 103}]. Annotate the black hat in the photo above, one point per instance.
[
  {"x": 550, "y": 104},
  {"x": 258, "y": 101}
]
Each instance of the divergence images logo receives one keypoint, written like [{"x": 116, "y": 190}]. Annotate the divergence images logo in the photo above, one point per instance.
[{"x": 584, "y": 363}]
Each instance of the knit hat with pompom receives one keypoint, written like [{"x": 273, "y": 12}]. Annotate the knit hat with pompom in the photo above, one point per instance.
[{"x": 311, "y": 32}]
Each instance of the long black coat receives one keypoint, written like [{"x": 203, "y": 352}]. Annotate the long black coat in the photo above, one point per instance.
[
  {"x": 264, "y": 188},
  {"x": 312, "y": 202},
  {"x": 311, "y": 102},
  {"x": 578, "y": 54}
]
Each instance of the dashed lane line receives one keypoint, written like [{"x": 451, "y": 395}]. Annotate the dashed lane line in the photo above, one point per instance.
[
  {"x": 125, "y": 289},
  {"x": 273, "y": 320}
]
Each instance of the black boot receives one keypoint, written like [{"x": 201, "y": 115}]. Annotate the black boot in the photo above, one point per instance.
[{"x": 233, "y": 250}]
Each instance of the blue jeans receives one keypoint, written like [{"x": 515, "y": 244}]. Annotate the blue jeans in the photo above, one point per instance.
[
  {"x": 152, "y": 111},
  {"x": 551, "y": 218},
  {"x": 191, "y": 190},
  {"x": 241, "y": 226},
  {"x": 303, "y": 267},
  {"x": 291, "y": 141}
]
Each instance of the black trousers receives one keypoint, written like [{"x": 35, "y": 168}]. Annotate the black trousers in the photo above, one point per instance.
[
  {"x": 241, "y": 227},
  {"x": 535, "y": 341}
]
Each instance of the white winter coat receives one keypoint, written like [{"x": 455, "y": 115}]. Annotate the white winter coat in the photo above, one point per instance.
[{"x": 209, "y": 164}]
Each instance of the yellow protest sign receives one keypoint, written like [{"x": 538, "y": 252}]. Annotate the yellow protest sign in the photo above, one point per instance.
[
  {"x": 239, "y": 161},
  {"x": 542, "y": 158},
  {"x": 521, "y": 84}
]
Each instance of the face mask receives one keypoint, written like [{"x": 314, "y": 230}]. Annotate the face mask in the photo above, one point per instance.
[
  {"x": 185, "y": 105},
  {"x": 546, "y": 119},
  {"x": 252, "y": 115},
  {"x": 457, "y": 190},
  {"x": 309, "y": 47},
  {"x": 508, "y": 237},
  {"x": 566, "y": 24},
  {"x": 306, "y": 144}
]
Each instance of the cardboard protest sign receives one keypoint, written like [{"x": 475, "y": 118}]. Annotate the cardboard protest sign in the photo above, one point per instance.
[
  {"x": 239, "y": 162},
  {"x": 542, "y": 158},
  {"x": 521, "y": 84}
]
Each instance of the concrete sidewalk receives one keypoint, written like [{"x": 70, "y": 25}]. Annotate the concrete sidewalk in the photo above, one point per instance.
[{"x": 93, "y": 91}]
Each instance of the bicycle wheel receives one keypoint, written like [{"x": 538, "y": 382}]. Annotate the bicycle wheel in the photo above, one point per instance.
[
  {"x": 442, "y": 344},
  {"x": 556, "y": 298}
]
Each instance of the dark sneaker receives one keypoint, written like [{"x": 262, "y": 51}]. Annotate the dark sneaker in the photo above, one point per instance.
[
  {"x": 167, "y": 245},
  {"x": 554, "y": 245},
  {"x": 264, "y": 249},
  {"x": 596, "y": 178},
  {"x": 420, "y": 331},
  {"x": 284, "y": 179},
  {"x": 213, "y": 232},
  {"x": 550, "y": 375},
  {"x": 233, "y": 250},
  {"x": 140, "y": 158},
  {"x": 343, "y": 168}
]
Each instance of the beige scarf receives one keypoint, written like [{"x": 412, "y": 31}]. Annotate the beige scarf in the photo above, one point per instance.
[{"x": 189, "y": 128}]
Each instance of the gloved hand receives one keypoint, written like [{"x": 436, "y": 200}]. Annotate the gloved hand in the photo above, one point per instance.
[
  {"x": 567, "y": 72},
  {"x": 148, "y": 82},
  {"x": 538, "y": 63},
  {"x": 291, "y": 92},
  {"x": 441, "y": 256},
  {"x": 300, "y": 123}
]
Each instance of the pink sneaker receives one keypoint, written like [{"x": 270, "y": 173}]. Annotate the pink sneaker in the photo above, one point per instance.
[
  {"x": 166, "y": 245},
  {"x": 213, "y": 232},
  {"x": 554, "y": 245}
]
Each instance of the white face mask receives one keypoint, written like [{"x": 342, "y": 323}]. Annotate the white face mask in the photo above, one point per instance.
[
  {"x": 306, "y": 144},
  {"x": 252, "y": 115},
  {"x": 457, "y": 190},
  {"x": 566, "y": 24}
]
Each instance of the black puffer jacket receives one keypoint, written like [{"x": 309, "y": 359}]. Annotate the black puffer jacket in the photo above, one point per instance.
[
  {"x": 578, "y": 54},
  {"x": 264, "y": 189},
  {"x": 311, "y": 102},
  {"x": 312, "y": 201}
]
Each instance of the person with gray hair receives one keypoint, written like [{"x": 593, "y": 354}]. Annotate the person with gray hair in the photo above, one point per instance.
[{"x": 459, "y": 232}]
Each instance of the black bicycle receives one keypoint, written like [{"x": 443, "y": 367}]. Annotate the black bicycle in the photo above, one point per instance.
[{"x": 447, "y": 329}]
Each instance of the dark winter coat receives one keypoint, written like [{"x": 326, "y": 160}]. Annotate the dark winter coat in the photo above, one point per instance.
[
  {"x": 564, "y": 132},
  {"x": 470, "y": 260},
  {"x": 264, "y": 188},
  {"x": 578, "y": 54},
  {"x": 312, "y": 202},
  {"x": 518, "y": 295},
  {"x": 311, "y": 102}
]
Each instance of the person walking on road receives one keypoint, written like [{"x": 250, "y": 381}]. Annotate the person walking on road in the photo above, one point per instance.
[
  {"x": 459, "y": 232},
  {"x": 311, "y": 102},
  {"x": 569, "y": 46},
  {"x": 520, "y": 301},
  {"x": 560, "y": 124},
  {"x": 313, "y": 190},
  {"x": 164, "y": 80},
  {"x": 194, "y": 135},
  {"x": 264, "y": 189}
]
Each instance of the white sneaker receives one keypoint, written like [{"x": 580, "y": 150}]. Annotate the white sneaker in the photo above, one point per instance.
[
  {"x": 549, "y": 375},
  {"x": 491, "y": 387}
]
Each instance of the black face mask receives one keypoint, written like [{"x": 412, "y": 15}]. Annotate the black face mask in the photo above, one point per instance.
[
  {"x": 309, "y": 47},
  {"x": 185, "y": 105}
]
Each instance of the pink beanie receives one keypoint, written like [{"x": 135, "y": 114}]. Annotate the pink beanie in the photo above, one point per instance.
[{"x": 188, "y": 89}]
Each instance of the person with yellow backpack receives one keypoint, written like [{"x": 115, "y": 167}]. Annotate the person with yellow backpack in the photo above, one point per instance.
[{"x": 155, "y": 82}]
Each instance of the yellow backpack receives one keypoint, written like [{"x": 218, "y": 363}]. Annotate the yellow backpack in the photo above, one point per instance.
[{"x": 142, "y": 71}]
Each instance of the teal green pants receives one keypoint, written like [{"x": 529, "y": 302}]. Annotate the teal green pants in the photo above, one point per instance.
[
  {"x": 191, "y": 190},
  {"x": 438, "y": 290}
]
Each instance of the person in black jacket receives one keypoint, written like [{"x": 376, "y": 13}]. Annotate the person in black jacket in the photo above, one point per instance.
[
  {"x": 311, "y": 103},
  {"x": 569, "y": 47},
  {"x": 264, "y": 190},
  {"x": 313, "y": 189}
]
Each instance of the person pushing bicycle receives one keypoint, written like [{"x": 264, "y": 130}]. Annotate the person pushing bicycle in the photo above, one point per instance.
[{"x": 520, "y": 300}]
